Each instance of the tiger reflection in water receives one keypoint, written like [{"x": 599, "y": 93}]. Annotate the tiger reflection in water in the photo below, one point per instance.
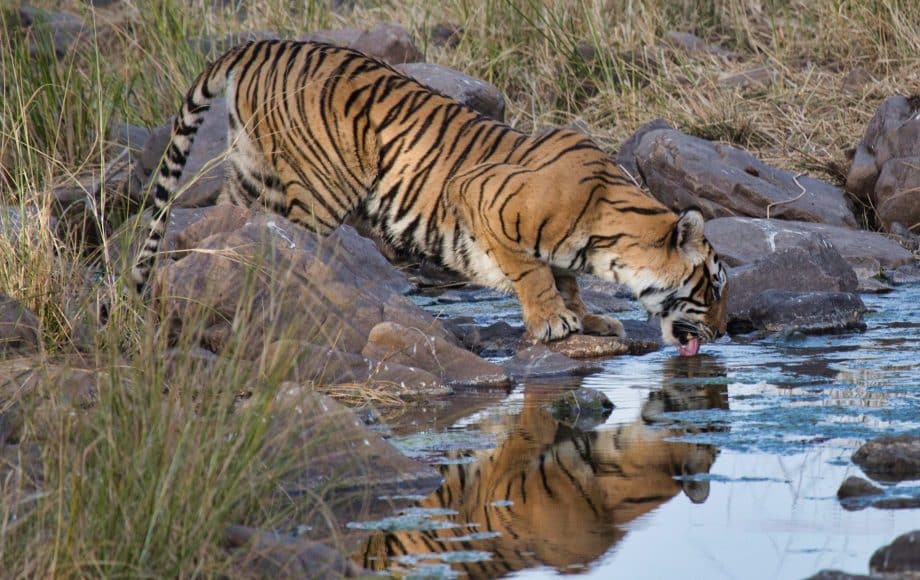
[{"x": 559, "y": 496}]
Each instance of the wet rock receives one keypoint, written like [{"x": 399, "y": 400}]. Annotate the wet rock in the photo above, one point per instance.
[
  {"x": 900, "y": 558},
  {"x": 497, "y": 339},
  {"x": 272, "y": 279},
  {"x": 18, "y": 328},
  {"x": 890, "y": 458},
  {"x": 538, "y": 361},
  {"x": 907, "y": 274},
  {"x": 693, "y": 44},
  {"x": 583, "y": 408},
  {"x": 885, "y": 170},
  {"x": 744, "y": 240},
  {"x": 813, "y": 266},
  {"x": 264, "y": 554},
  {"x": 446, "y": 34},
  {"x": 854, "y": 486},
  {"x": 392, "y": 342},
  {"x": 586, "y": 346},
  {"x": 807, "y": 312},
  {"x": 683, "y": 171},
  {"x": 331, "y": 449},
  {"x": 474, "y": 93},
  {"x": 306, "y": 363},
  {"x": 202, "y": 180},
  {"x": 387, "y": 41},
  {"x": 645, "y": 331}
]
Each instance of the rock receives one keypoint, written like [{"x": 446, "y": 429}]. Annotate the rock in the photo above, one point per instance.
[
  {"x": 66, "y": 30},
  {"x": 272, "y": 279},
  {"x": 583, "y": 408},
  {"x": 901, "y": 557},
  {"x": 683, "y": 171},
  {"x": 497, "y": 339},
  {"x": 18, "y": 328},
  {"x": 332, "y": 450},
  {"x": 812, "y": 266},
  {"x": 538, "y": 361},
  {"x": 759, "y": 77},
  {"x": 693, "y": 44},
  {"x": 587, "y": 346},
  {"x": 897, "y": 191},
  {"x": 446, "y": 34},
  {"x": 890, "y": 458},
  {"x": 328, "y": 366},
  {"x": 742, "y": 241},
  {"x": 807, "y": 312},
  {"x": 133, "y": 137},
  {"x": 210, "y": 146},
  {"x": 603, "y": 297},
  {"x": 885, "y": 171},
  {"x": 387, "y": 41},
  {"x": 857, "y": 487},
  {"x": 857, "y": 80},
  {"x": 264, "y": 554},
  {"x": 627, "y": 157},
  {"x": 645, "y": 331},
  {"x": 476, "y": 94},
  {"x": 907, "y": 274},
  {"x": 392, "y": 342}
]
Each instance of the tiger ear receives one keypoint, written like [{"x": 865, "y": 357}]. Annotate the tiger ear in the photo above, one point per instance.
[{"x": 689, "y": 234}]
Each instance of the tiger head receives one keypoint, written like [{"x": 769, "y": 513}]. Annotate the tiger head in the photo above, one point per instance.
[
  {"x": 672, "y": 269},
  {"x": 690, "y": 298}
]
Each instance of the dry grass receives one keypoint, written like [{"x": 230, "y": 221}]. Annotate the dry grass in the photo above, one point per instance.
[{"x": 144, "y": 483}]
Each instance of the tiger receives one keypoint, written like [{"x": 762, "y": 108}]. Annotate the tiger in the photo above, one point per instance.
[
  {"x": 319, "y": 133},
  {"x": 549, "y": 494}
]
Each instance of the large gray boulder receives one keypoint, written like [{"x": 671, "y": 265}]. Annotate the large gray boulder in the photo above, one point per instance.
[
  {"x": 476, "y": 94},
  {"x": 885, "y": 171},
  {"x": 683, "y": 171},
  {"x": 740, "y": 240}
]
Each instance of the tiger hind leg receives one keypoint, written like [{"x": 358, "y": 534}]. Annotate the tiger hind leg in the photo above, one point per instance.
[{"x": 597, "y": 324}]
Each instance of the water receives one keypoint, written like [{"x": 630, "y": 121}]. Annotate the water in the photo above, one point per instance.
[{"x": 718, "y": 466}]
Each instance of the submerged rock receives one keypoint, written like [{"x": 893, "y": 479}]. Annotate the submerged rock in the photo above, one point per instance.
[
  {"x": 890, "y": 458},
  {"x": 584, "y": 408}
]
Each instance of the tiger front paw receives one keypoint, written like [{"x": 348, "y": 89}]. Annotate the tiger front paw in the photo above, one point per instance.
[
  {"x": 554, "y": 326},
  {"x": 602, "y": 325}
]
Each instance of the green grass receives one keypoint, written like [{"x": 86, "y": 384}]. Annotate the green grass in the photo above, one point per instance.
[{"x": 142, "y": 482}]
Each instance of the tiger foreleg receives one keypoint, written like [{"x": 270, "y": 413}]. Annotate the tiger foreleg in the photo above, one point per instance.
[{"x": 598, "y": 324}]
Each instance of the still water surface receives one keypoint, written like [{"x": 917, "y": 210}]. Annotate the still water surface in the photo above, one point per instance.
[{"x": 724, "y": 465}]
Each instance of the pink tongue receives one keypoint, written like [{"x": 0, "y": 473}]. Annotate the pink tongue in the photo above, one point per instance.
[{"x": 690, "y": 349}]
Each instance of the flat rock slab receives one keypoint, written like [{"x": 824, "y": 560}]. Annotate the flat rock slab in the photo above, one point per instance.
[
  {"x": 683, "y": 171},
  {"x": 587, "y": 346},
  {"x": 890, "y": 458},
  {"x": 740, "y": 240}
]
